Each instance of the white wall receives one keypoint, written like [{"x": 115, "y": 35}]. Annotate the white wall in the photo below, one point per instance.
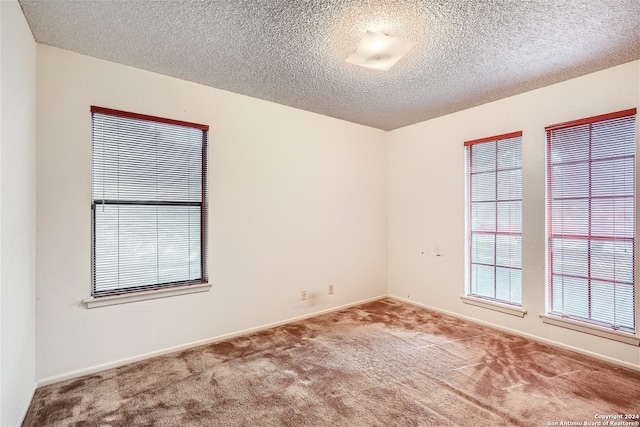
[
  {"x": 297, "y": 201},
  {"x": 17, "y": 214},
  {"x": 426, "y": 200}
]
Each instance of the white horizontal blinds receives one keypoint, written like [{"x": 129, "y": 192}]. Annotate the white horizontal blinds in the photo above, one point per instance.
[
  {"x": 149, "y": 202},
  {"x": 495, "y": 218},
  {"x": 591, "y": 201}
]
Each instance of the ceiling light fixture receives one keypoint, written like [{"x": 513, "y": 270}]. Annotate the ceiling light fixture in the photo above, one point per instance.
[{"x": 379, "y": 51}]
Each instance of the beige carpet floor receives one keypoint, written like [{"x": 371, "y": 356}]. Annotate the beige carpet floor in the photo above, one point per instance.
[{"x": 384, "y": 363}]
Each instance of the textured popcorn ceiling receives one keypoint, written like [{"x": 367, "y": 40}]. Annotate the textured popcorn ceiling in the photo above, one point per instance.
[{"x": 467, "y": 52}]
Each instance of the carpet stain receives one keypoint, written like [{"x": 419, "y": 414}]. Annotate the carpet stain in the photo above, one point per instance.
[
  {"x": 73, "y": 386},
  {"x": 56, "y": 411}
]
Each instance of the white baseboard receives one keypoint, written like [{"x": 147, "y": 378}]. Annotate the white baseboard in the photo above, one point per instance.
[
  {"x": 523, "y": 334},
  {"x": 125, "y": 361},
  {"x": 23, "y": 415}
]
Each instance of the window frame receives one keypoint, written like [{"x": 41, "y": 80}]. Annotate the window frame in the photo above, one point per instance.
[
  {"x": 578, "y": 323},
  {"x": 504, "y": 306},
  {"x": 136, "y": 293}
]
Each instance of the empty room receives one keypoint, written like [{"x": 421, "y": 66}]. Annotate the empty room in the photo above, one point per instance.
[{"x": 319, "y": 213}]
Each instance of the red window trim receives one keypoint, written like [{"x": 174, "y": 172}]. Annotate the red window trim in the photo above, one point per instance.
[
  {"x": 130, "y": 115},
  {"x": 204, "y": 203},
  {"x": 592, "y": 119},
  {"x": 494, "y": 138},
  {"x": 549, "y": 223}
]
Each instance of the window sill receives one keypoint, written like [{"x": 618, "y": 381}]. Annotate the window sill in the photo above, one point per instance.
[
  {"x": 496, "y": 306},
  {"x": 93, "y": 302},
  {"x": 590, "y": 329}
]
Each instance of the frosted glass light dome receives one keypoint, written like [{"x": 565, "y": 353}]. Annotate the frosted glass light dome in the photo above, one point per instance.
[{"x": 379, "y": 51}]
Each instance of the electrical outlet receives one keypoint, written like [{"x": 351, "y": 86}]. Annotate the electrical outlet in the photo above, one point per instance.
[
  {"x": 331, "y": 289},
  {"x": 303, "y": 295}
]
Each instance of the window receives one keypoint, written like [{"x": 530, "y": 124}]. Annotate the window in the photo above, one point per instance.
[
  {"x": 591, "y": 220},
  {"x": 494, "y": 212},
  {"x": 149, "y": 203}
]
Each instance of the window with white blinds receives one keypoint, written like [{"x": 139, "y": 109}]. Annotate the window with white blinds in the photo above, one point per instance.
[
  {"x": 494, "y": 212},
  {"x": 591, "y": 220},
  {"x": 149, "y": 202}
]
